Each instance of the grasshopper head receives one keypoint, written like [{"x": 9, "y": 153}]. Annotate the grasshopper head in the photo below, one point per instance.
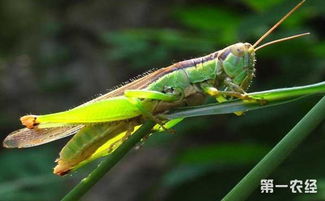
[{"x": 238, "y": 62}]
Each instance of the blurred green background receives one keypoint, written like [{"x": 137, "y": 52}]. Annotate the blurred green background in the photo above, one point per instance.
[{"x": 55, "y": 55}]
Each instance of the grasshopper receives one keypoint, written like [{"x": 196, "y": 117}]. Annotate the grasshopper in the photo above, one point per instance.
[{"x": 103, "y": 123}]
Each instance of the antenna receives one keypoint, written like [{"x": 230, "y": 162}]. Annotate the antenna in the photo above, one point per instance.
[
  {"x": 281, "y": 39},
  {"x": 278, "y": 23}
]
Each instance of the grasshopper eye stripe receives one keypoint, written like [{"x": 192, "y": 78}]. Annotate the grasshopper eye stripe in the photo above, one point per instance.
[{"x": 103, "y": 123}]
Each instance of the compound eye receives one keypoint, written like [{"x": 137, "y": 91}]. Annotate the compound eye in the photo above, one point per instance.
[
  {"x": 238, "y": 49},
  {"x": 249, "y": 48}
]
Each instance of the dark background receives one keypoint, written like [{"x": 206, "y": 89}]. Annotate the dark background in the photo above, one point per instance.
[{"x": 55, "y": 55}]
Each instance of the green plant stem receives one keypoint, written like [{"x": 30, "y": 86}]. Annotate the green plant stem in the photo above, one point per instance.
[
  {"x": 78, "y": 191},
  {"x": 277, "y": 155}
]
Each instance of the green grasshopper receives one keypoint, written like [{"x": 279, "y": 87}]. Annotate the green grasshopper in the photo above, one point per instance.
[{"x": 103, "y": 123}]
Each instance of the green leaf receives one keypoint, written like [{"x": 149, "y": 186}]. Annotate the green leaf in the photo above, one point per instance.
[{"x": 268, "y": 98}]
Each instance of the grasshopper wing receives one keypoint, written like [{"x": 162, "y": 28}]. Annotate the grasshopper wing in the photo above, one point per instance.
[{"x": 25, "y": 137}]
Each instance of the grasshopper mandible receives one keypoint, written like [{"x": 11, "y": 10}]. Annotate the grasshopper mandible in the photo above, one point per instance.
[{"x": 102, "y": 124}]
